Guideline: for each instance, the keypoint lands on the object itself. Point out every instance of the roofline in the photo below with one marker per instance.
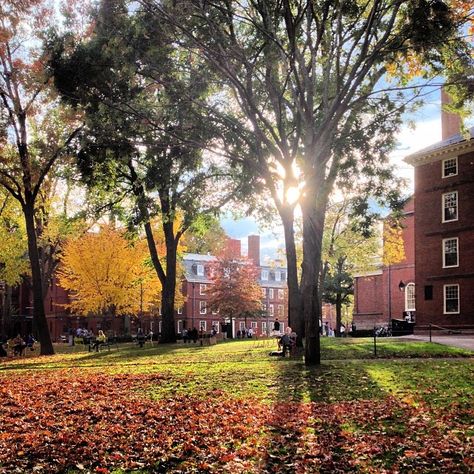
(424, 157)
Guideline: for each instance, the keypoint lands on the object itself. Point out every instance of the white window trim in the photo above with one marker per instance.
(253, 325)
(202, 288)
(241, 325)
(202, 307)
(271, 294)
(444, 300)
(277, 276)
(180, 310)
(216, 325)
(443, 168)
(203, 326)
(200, 270)
(264, 275)
(264, 292)
(411, 285)
(457, 253)
(443, 207)
(281, 309)
(271, 309)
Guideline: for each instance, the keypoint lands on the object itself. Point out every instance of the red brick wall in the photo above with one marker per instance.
(429, 233)
(368, 301)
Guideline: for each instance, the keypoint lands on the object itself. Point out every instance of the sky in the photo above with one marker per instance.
(427, 131)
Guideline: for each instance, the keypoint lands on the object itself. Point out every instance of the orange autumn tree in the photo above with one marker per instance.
(108, 274)
(235, 292)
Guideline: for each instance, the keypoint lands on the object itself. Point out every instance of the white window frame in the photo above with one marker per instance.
(282, 327)
(264, 275)
(200, 270)
(241, 325)
(253, 325)
(410, 297)
(179, 325)
(271, 294)
(264, 292)
(271, 309)
(280, 310)
(277, 276)
(264, 327)
(215, 311)
(443, 167)
(203, 326)
(445, 289)
(202, 307)
(281, 294)
(180, 310)
(456, 239)
(216, 325)
(443, 206)
(202, 289)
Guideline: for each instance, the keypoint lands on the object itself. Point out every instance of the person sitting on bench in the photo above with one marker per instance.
(100, 339)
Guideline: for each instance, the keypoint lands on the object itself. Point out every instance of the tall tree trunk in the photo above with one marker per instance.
(39, 315)
(295, 315)
(313, 227)
(168, 331)
(338, 313)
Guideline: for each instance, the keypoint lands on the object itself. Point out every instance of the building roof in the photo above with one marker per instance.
(452, 146)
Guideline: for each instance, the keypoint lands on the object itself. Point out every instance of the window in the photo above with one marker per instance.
(215, 325)
(202, 289)
(200, 270)
(241, 325)
(202, 307)
(450, 167)
(159, 326)
(283, 276)
(254, 325)
(280, 310)
(451, 299)
(281, 295)
(180, 326)
(264, 306)
(264, 327)
(272, 309)
(215, 310)
(450, 252)
(410, 297)
(270, 293)
(265, 275)
(277, 276)
(450, 206)
(428, 292)
(264, 292)
(203, 326)
(180, 310)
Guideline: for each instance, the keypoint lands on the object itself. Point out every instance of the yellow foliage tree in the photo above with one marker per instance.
(108, 274)
(393, 244)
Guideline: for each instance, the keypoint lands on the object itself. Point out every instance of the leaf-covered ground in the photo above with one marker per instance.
(232, 408)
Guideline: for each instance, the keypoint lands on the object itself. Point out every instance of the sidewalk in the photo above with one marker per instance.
(463, 342)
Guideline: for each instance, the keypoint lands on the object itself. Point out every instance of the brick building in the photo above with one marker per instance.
(388, 293)
(444, 229)
(195, 312)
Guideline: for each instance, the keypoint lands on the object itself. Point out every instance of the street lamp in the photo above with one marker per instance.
(401, 286)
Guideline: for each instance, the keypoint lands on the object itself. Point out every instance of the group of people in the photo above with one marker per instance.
(328, 331)
(18, 345)
(245, 333)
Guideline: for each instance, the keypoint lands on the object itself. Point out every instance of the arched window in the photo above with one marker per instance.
(410, 297)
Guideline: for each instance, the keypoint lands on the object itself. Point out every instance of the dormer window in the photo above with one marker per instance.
(265, 275)
(200, 270)
(450, 167)
(277, 276)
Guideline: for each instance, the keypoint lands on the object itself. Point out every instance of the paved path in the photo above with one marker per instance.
(463, 342)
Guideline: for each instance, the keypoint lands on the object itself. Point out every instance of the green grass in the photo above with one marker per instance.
(349, 370)
(353, 406)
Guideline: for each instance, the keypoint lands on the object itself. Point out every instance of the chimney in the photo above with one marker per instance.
(233, 249)
(450, 123)
(254, 249)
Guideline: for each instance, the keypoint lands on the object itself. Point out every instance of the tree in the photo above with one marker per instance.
(145, 136)
(346, 248)
(107, 274)
(36, 132)
(234, 291)
(307, 79)
(205, 236)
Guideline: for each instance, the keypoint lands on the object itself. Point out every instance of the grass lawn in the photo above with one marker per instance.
(233, 408)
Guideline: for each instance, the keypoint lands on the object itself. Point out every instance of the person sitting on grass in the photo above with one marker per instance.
(99, 340)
